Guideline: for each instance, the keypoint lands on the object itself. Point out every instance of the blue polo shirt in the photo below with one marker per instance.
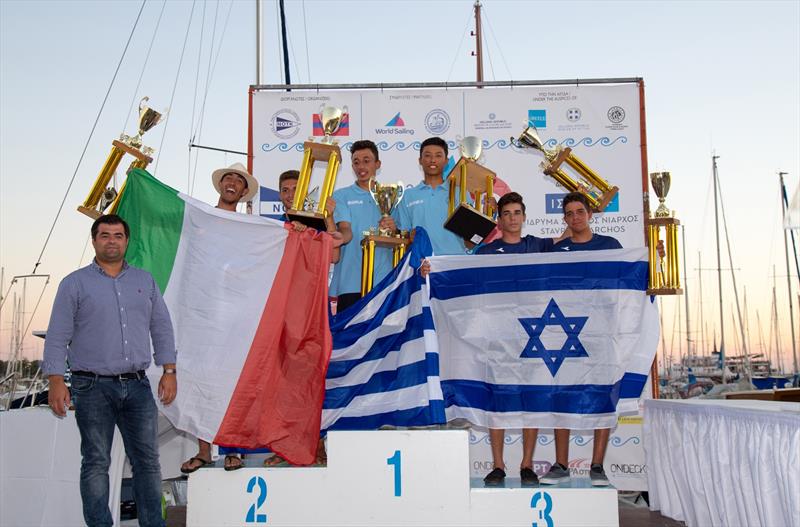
(528, 244)
(356, 206)
(426, 207)
(597, 243)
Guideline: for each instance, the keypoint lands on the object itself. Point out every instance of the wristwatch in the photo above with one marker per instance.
(170, 371)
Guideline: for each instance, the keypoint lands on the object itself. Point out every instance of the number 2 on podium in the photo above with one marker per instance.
(398, 482)
(253, 516)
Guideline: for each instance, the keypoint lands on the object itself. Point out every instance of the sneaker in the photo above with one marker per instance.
(495, 478)
(558, 473)
(598, 476)
(528, 477)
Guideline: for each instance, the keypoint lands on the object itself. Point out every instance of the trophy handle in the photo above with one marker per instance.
(402, 190)
(141, 103)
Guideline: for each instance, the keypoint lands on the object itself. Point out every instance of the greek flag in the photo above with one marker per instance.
(384, 369)
(543, 340)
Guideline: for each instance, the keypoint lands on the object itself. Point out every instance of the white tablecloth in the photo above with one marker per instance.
(724, 462)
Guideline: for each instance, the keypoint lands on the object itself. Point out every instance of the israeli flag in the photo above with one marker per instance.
(543, 340)
(384, 368)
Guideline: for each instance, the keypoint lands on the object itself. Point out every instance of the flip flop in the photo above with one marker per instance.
(275, 461)
(235, 466)
(203, 463)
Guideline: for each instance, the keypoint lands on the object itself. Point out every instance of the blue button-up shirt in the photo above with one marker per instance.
(103, 324)
(426, 207)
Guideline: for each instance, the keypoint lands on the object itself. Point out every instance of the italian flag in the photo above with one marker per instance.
(247, 296)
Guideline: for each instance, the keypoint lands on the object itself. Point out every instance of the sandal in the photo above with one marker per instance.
(230, 466)
(275, 461)
(189, 468)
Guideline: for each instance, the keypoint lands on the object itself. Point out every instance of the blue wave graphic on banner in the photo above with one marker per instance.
(586, 141)
(617, 441)
(282, 147)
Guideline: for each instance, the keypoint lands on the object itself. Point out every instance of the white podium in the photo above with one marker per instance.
(382, 478)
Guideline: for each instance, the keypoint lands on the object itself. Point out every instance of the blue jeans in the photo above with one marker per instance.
(101, 404)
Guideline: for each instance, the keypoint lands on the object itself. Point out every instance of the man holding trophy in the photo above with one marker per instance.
(426, 205)
(356, 211)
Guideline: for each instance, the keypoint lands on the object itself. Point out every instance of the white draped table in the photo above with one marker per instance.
(724, 462)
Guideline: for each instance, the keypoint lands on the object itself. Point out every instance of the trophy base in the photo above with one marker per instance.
(470, 224)
(385, 241)
(322, 151)
(92, 213)
(606, 197)
(315, 220)
(135, 152)
(476, 175)
(665, 291)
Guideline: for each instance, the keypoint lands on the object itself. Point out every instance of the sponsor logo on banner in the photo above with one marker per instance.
(492, 123)
(628, 469)
(537, 118)
(437, 122)
(285, 123)
(270, 204)
(573, 116)
(395, 126)
(344, 127)
(580, 466)
(553, 204)
(616, 116)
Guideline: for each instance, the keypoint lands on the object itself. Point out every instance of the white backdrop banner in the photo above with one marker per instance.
(600, 122)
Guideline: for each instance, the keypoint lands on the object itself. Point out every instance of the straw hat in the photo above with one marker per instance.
(241, 170)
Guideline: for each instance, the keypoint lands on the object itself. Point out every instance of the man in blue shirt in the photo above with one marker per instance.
(577, 214)
(511, 210)
(511, 220)
(103, 319)
(355, 213)
(426, 204)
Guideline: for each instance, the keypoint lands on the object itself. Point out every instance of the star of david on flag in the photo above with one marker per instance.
(553, 316)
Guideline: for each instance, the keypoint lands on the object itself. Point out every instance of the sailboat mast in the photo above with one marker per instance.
(719, 270)
(703, 328)
(686, 294)
(784, 205)
(776, 327)
(761, 343)
(478, 43)
(285, 44)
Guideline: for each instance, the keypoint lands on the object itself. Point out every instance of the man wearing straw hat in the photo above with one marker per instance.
(234, 185)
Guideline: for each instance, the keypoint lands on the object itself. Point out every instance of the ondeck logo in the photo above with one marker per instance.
(537, 118)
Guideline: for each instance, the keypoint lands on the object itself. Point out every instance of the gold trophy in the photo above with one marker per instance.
(471, 223)
(315, 215)
(386, 196)
(664, 273)
(596, 189)
(101, 196)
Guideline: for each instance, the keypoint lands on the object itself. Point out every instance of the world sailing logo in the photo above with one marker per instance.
(395, 126)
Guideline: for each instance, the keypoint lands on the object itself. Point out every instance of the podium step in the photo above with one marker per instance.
(398, 477)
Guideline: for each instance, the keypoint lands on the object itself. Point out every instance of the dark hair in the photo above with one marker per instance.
(509, 198)
(289, 174)
(365, 144)
(109, 219)
(433, 141)
(572, 197)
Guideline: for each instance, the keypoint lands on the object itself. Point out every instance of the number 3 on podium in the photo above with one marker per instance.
(398, 482)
